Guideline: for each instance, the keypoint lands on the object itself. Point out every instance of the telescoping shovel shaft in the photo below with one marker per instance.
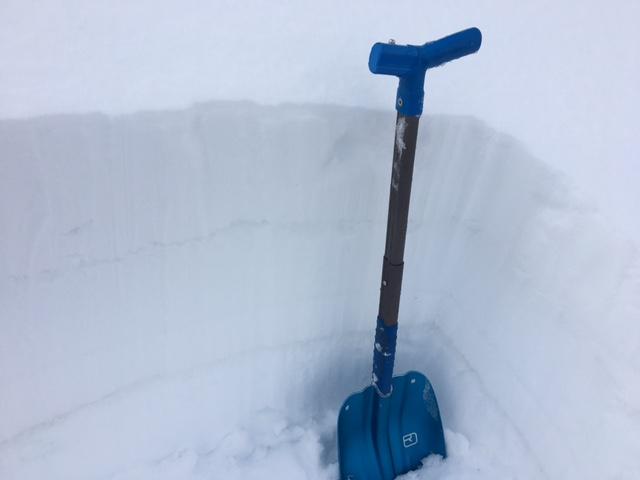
(388, 428)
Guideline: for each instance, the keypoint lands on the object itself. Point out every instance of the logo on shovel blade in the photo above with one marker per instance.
(410, 439)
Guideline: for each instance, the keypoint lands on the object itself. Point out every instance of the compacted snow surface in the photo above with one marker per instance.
(191, 295)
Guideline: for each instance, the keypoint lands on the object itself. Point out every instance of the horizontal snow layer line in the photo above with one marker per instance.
(528, 282)
(76, 263)
(169, 377)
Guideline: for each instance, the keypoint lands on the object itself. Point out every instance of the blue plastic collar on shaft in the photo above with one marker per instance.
(410, 63)
(384, 354)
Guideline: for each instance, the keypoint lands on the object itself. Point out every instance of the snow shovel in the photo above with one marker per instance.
(388, 428)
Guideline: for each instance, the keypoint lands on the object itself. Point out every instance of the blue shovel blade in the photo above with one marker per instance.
(381, 438)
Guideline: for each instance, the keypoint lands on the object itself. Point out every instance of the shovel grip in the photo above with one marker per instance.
(410, 63)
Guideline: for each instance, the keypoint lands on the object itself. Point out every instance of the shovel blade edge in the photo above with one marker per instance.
(381, 438)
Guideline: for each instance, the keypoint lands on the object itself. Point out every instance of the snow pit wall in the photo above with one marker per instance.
(230, 237)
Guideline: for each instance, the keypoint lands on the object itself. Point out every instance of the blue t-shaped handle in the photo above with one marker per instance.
(410, 63)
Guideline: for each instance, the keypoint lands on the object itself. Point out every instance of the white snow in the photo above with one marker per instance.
(561, 76)
(189, 290)
(191, 294)
(401, 126)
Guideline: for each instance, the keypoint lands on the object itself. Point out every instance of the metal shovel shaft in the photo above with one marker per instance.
(392, 267)
(399, 197)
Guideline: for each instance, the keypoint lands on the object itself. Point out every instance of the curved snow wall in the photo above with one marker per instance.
(243, 244)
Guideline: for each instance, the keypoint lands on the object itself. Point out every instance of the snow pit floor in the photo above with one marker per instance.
(127, 436)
